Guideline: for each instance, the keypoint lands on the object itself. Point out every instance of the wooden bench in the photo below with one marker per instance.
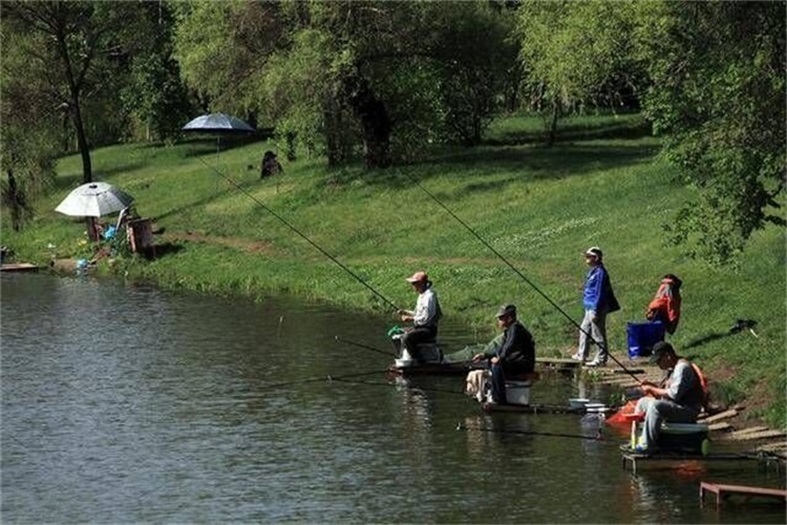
(725, 491)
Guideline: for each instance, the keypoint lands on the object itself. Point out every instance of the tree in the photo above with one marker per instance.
(717, 97)
(79, 44)
(576, 54)
(29, 132)
(153, 93)
(349, 75)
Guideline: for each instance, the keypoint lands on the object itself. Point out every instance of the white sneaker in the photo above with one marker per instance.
(577, 357)
(596, 362)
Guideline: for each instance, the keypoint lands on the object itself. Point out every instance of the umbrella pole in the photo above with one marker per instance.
(218, 148)
(92, 233)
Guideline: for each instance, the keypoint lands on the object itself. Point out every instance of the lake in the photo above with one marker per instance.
(123, 403)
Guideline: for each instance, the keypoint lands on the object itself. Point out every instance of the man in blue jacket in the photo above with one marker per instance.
(599, 300)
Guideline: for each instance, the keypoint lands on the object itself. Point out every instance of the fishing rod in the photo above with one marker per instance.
(367, 347)
(460, 426)
(299, 233)
(516, 271)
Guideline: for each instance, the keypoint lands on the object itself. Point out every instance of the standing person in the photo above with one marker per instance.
(665, 306)
(680, 401)
(516, 355)
(425, 317)
(598, 300)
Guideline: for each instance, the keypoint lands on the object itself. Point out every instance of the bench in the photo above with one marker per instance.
(725, 491)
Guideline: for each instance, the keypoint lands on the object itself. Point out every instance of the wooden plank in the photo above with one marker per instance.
(721, 415)
(724, 491)
(531, 409)
(749, 430)
(718, 427)
(766, 434)
(18, 267)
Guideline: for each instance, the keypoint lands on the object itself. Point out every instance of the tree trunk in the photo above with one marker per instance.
(13, 200)
(84, 148)
(375, 123)
(552, 133)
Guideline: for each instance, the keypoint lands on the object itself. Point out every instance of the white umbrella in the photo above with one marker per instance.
(94, 199)
(218, 123)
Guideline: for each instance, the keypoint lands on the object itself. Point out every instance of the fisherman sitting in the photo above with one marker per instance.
(680, 400)
(425, 317)
(515, 356)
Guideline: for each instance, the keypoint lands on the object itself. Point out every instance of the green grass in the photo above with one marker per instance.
(601, 184)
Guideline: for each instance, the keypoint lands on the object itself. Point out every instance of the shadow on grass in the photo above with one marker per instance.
(576, 132)
(167, 248)
(206, 145)
(236, 187)
(72, 180)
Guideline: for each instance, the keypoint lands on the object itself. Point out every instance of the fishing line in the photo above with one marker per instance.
(460, 426)
(366, 347)
(341, 379)
(321, 378)
(298, 232)
(516, 271)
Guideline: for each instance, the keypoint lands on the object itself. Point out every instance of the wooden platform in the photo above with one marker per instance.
(18, 267)
(450, 369)
(725, 491)
(674, 461)
(532, 409)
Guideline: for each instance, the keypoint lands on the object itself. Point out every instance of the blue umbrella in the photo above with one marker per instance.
(218, 124)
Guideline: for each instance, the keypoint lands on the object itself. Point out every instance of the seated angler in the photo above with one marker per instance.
(425, 317)
(516, 355)
(680, 401)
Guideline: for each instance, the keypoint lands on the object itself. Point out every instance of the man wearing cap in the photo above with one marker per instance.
(598, 300)
(425, 317)
(516, 355)
(679, 401)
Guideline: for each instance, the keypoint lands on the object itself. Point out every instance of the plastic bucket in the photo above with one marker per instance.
(642, 336)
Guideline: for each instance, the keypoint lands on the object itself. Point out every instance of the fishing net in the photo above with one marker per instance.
(619, 421)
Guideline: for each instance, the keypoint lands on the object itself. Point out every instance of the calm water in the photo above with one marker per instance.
(126, 404)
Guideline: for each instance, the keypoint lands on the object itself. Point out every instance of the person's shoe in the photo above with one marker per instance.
(596, 362)
(577, 357)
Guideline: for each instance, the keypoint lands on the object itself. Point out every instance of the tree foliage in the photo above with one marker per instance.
(29, 134)
(577, 54)
(717, 97)
(349, 76)
(76, 48)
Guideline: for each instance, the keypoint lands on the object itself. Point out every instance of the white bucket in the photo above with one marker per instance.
(404, 361)
(518, 392)
(575, 403)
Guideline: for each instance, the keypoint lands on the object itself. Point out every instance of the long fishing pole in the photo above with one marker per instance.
(460, 426)
(366, 347)
(516, 271)
(299, 233)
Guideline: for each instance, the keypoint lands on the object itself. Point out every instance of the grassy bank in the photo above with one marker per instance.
(538, 207)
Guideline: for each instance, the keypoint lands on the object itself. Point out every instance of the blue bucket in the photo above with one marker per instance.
(642, 337)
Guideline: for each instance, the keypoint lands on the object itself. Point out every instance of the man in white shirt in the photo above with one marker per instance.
(424, 318)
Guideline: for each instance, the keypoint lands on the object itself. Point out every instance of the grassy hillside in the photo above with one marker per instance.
(540, 208)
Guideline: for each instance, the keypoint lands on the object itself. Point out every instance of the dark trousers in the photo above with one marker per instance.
(417, 336)
(499, 380)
